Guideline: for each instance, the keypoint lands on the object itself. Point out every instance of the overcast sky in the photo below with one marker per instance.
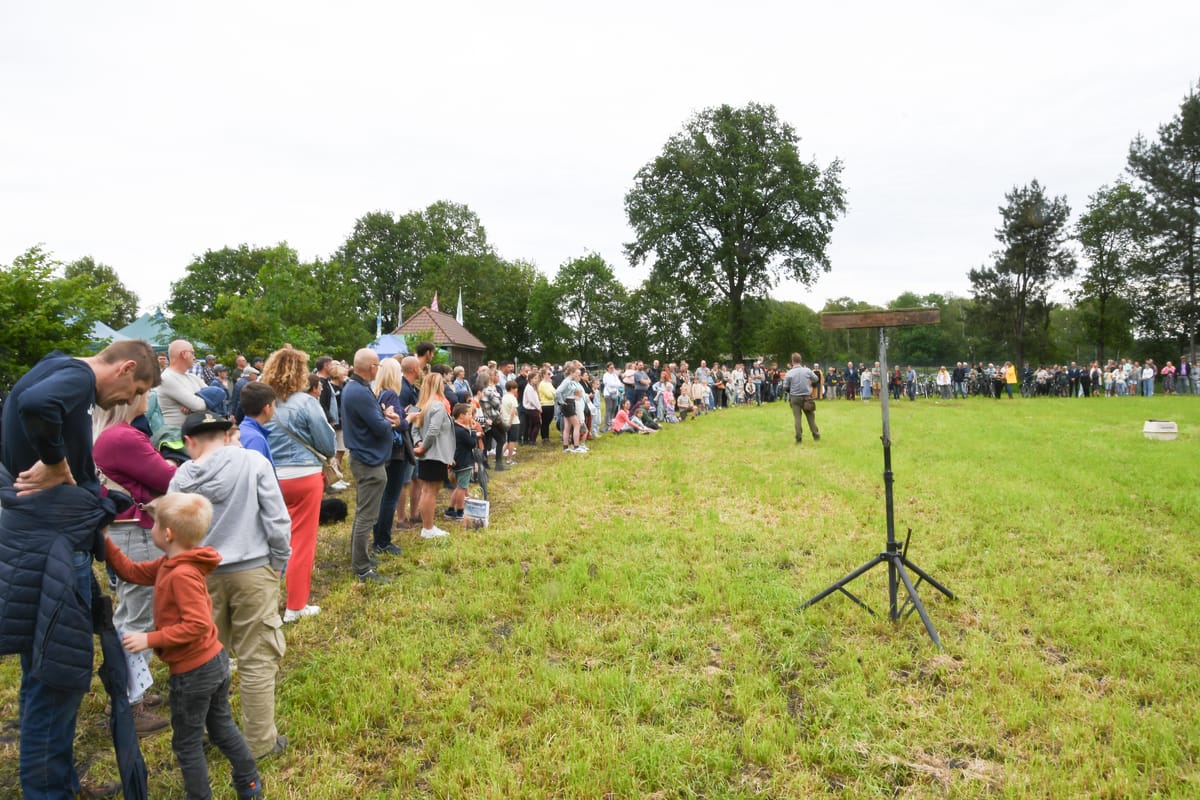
(144, 133)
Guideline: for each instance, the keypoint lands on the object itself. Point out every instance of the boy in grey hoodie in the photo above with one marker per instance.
(251, 530)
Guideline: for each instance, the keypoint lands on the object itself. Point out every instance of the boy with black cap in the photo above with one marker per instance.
(184, 636)
(251, 530)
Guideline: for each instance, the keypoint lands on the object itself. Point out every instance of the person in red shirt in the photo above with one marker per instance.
(185, 638)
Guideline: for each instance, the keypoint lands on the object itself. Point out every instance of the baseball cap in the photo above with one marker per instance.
(203, 422)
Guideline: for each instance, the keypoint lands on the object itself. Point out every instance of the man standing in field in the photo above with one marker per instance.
(51, 528)
(367, 429)
(798, 385)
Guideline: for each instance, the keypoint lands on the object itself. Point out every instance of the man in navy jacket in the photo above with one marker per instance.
(367, 431)
(46, 443)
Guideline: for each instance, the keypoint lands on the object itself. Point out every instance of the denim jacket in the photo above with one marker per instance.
(303, 416)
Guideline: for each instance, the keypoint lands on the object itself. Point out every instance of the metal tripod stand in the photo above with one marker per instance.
(894, 556)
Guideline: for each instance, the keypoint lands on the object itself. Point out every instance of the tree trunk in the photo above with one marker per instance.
(736, 326)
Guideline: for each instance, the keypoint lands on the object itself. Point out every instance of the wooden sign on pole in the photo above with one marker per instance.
(837, 320)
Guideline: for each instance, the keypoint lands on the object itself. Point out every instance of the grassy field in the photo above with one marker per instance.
(629, 626)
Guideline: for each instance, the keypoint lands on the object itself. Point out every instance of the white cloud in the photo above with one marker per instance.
(146, 133)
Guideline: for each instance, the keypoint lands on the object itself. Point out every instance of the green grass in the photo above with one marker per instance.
(629, 625)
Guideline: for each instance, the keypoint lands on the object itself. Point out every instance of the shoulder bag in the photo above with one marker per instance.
(330, 470)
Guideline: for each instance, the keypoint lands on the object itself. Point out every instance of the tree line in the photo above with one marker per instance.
(726, 211)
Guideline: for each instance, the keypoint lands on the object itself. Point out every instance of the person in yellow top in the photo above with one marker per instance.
(1010, 377)
(545, 390)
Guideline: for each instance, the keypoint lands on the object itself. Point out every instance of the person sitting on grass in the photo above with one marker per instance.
(645, 413)
(626, 422)
(185, 637)
(468, 435)
(684, 404)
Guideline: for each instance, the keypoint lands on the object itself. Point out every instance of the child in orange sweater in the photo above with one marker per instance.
(185, 638)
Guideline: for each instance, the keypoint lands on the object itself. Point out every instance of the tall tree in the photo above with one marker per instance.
(400, 261)
(1169, 173)
(788, 328)
(656, 322)
(384, 258)
(121, 303)
(1011, 298)
(729, 208)
(590, 303)
(1108, 232)
(550, 336)
(496, 298)
(230, 270)
(259, 298)
(42, 311)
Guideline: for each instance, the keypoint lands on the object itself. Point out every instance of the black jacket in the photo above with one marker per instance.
(41, 612)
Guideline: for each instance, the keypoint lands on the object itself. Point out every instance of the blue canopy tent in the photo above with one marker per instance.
(153, 328)
(102, 335)
(389, 345)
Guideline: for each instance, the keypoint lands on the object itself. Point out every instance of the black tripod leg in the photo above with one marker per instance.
(916, 601)
(836, 587)
(926, 577)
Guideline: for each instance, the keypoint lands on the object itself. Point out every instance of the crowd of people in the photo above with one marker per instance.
(226, 471)
(1124, 377)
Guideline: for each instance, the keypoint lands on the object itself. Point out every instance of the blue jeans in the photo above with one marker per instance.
(382, 532)
(199, 700)
(47, 719)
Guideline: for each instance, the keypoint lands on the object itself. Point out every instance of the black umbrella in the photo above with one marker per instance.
(114, 674)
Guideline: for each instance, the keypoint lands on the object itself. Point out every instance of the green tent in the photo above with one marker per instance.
(101, 335)
(154, 328)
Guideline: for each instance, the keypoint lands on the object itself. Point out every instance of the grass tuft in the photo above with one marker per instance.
(629, 625)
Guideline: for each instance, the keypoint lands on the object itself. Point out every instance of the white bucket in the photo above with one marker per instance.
(476, 513)
(1160, 429)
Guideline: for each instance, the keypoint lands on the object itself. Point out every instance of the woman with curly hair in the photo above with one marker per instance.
(299, 437)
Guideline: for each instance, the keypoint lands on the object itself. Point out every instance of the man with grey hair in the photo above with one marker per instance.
(178, 395)
(367, 430)
(798, 385)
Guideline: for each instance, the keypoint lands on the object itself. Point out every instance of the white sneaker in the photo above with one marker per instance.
(583, 448)
(433, 533)
(340, 486)
(308, 611)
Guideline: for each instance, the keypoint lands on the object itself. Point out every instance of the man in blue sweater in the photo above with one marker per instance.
(367, 431)
(47, 442)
